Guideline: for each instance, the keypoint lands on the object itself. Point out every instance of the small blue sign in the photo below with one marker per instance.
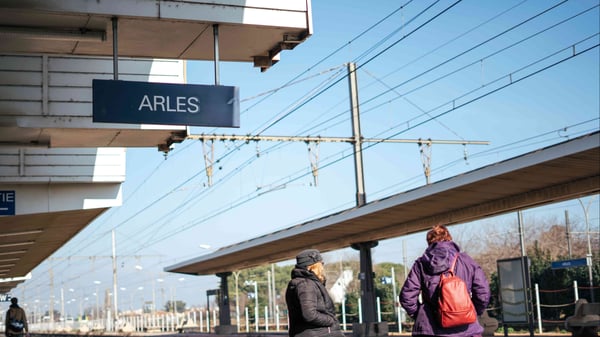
(165, 103)
(7, 202)
(569, 263)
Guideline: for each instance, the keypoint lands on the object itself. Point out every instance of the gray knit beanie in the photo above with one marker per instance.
(308, 257)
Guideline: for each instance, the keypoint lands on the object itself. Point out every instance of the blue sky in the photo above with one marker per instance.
(519, 74)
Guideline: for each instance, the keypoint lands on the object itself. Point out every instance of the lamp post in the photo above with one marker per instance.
(72, 300)
(123, 289)
(81, 312)
(181, 279)
(589, 246)
(255, 301)
(36, 319)
(97, 300)
(141, 288)
(159, 280)
(236, 274)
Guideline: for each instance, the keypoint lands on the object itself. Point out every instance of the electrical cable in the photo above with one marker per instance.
(289, 180)
(422, 56)
(293, 80)
(368, 61)
(240, 202)
(430, 52)
(472, 48)
(366, 102)
(336, 51)
(295, 109)
(180, 185)
(394, 32)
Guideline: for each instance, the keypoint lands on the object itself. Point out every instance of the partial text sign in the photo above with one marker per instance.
(8, 200)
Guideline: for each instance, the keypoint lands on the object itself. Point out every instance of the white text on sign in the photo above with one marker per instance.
(170, 104)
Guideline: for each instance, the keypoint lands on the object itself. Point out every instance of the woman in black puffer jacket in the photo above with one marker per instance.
(311, 310)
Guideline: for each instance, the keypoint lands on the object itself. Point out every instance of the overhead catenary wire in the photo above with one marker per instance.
(296, 80)
(358, 67)
(508, 76)
(279, 119)
(249, 197)
(412, 103)
(394, 32)
(511, 82)
(304, 173)
(324, 124)
(527, 141)
(428, 53)
(291, 81)
(436, 116)
(472, 29)
(337, 50)
(473, 48)
(94, 236)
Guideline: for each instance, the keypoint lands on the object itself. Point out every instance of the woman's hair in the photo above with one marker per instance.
(318, 270)
(438, 233)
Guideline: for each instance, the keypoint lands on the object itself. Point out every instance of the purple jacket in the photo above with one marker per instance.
(424, 277)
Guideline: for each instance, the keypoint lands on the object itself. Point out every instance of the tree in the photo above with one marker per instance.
(56, 315)
(385, 289)
(545, 241)
(172, 306)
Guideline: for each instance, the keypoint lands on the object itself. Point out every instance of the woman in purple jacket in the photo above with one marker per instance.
(424, 277)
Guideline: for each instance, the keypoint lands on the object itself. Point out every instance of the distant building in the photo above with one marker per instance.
(338, 290)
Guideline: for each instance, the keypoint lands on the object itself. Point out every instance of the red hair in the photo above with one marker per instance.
(438, 233)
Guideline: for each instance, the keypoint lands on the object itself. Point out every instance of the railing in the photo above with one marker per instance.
(200, 320)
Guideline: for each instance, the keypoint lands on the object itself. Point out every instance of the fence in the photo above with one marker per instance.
(205, 321)
(559, 310)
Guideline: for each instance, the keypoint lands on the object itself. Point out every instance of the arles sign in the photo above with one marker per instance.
(116, 101)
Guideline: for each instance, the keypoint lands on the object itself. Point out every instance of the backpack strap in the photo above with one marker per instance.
(452, 269)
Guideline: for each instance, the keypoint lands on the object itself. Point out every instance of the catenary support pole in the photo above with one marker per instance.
(358, 161)
(114, 267)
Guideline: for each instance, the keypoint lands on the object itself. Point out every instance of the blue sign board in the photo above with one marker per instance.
(7, 202)
(569, 263)
(165, 103)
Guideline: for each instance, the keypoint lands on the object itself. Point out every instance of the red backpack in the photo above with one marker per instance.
(455, 306)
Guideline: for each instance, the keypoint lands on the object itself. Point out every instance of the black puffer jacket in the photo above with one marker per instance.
(311, 310)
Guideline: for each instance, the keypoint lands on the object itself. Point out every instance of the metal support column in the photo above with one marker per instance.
(370, 325)
(225, 327)
(367, 288)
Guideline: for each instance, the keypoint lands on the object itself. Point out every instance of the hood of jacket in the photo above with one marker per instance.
(438, 256)
(298, 272)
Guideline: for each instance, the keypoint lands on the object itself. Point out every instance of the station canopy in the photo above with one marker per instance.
(560, 172)
(81, 31)
(248, 31)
